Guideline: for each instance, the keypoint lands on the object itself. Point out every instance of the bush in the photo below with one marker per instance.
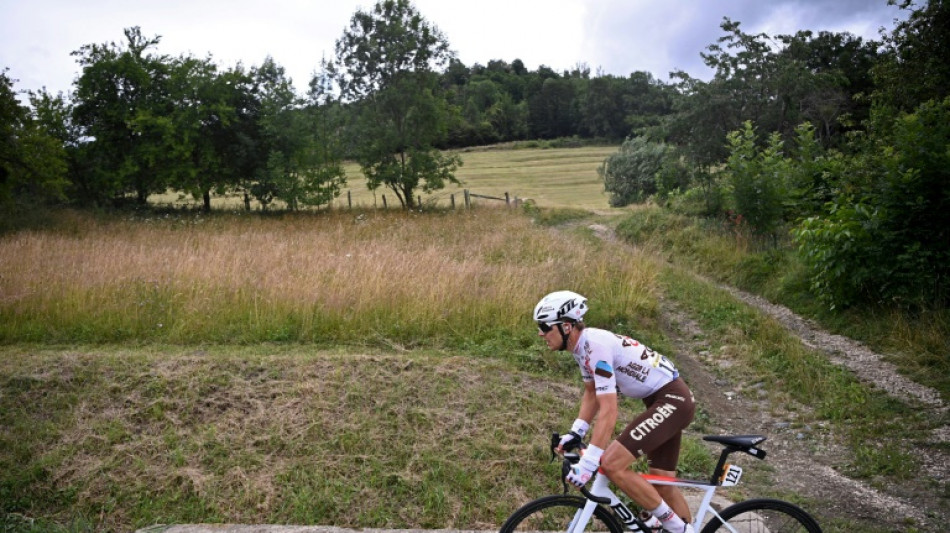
(635, 172)
(758, 179)
(890, 240)
(709, 200)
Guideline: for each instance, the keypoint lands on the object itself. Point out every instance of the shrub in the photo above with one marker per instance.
(889, 241)
(758, 179)
(634, 173)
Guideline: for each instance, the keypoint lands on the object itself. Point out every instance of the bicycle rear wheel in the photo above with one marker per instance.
(555, 513)
(763, 516)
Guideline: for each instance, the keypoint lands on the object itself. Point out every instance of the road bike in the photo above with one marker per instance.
(600, 510)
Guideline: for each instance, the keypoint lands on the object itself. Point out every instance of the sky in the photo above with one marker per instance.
(615, 37)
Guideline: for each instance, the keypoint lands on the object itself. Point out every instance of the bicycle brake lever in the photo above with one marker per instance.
(555, 440)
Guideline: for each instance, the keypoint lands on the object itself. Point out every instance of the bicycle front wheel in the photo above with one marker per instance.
(555, 513)
(763, 516)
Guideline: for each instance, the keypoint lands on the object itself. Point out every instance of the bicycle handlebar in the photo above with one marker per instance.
(569, 459)
(596, 499)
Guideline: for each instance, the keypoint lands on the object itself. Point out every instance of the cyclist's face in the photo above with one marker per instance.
(552, 337)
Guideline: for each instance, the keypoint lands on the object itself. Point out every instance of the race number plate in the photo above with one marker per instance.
(730, 478)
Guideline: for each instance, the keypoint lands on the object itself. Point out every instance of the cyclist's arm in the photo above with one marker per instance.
(604, 407)
(589, 404)
(606, 420)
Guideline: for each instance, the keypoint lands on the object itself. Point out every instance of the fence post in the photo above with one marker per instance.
(507, 199)
(468, 201)
(349, 198)
(384, 202)
(452, 196)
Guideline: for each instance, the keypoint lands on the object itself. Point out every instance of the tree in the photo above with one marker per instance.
(32, 160)
(385, 67)
(552, 111)
(119, 95)
(645, 101)
(509, 119)
(198, 128)
(839, 81)
(775, 83)
(317, 164)
(914, 67)
(280, 136)
(602, 108)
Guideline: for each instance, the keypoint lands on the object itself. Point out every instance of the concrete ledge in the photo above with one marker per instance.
(239, 528)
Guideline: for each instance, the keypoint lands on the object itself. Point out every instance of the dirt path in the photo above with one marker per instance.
(808, 460)
(868, 366)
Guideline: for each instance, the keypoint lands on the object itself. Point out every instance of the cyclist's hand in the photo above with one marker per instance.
(569, 442)
(575, 437)
(581, 473)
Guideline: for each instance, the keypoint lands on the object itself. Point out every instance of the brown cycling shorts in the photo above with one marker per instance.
(658, 430)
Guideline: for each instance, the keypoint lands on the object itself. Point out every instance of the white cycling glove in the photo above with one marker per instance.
(585, 468)
(576, 435)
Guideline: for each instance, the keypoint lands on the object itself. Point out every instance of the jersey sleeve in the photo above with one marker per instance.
(601, 368)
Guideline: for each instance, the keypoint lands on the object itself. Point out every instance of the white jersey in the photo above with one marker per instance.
(620, 364)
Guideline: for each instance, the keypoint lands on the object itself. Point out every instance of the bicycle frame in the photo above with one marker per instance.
(759, 514)
(599, 488)
(724, 475)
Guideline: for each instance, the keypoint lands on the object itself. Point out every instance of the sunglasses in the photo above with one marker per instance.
(547, 326)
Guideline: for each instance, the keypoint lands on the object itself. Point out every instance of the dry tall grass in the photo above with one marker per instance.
(347, 277)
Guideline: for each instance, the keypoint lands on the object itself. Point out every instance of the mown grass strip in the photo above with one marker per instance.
(275, 434)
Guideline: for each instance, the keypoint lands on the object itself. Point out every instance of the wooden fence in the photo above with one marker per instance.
(467, 196)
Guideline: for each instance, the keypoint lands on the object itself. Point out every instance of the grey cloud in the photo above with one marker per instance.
(659, 37)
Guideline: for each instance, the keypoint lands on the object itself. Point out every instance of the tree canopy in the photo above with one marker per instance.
(386, 67)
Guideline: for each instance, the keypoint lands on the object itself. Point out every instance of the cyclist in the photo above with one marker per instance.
(609, 364)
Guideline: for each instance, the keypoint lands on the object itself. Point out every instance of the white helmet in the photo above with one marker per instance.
(559, 307)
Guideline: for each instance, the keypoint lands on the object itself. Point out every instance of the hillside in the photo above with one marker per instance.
(226, 368)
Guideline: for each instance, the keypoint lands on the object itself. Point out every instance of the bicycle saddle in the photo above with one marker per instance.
(742, 442)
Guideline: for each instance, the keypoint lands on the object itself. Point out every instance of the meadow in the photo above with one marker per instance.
(268, 369)
(547, 176)
(350, 367)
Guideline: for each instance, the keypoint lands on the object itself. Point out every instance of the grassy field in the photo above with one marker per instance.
(550, 177)
(360, 368)
(248, 369)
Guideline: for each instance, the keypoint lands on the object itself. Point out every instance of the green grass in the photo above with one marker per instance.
(547, 176)
(276, 434)
(182, 367)
(917, 343)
